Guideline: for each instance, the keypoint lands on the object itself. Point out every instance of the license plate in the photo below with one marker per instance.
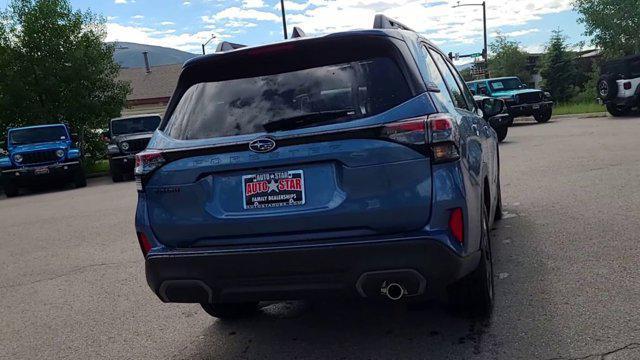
(41, 171)
(536, 107)
(273, 189)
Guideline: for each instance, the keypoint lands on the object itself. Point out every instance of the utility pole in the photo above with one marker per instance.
(485, 52)
(207, 43)
(284, 20)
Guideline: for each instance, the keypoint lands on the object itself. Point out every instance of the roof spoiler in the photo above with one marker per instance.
(297, 33)
(228, 46)
(384, 22)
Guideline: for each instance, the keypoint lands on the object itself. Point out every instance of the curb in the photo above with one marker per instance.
(582, 116)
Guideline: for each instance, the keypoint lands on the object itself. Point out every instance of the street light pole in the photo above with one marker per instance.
(485, 52)
(284, 19)
(207, 43)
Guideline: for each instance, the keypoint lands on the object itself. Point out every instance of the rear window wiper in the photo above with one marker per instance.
(300, 121)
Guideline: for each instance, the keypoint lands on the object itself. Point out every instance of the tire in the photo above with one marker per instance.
(543, 116)
(607, 87)
(475, 292)
(79, 179)
(117, 177)
(502, 133)
(230, 311)
(618, 111)
(11, 189)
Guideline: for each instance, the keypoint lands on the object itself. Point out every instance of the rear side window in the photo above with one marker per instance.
(435, 77)
(454, 89)
(310, 97)
(463, 86)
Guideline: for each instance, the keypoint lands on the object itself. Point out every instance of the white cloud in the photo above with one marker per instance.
(292, 6)
(138, 17)
(120, 1)
(168, 38)
(167, 23)
(236, 13)
(517, 33)
(438, 20)
(253, 4)
(186, 3)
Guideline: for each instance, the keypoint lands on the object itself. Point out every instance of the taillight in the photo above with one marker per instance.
(456, 225)
(627, 85)
(145, 245)
(146, 162)
(435, 134)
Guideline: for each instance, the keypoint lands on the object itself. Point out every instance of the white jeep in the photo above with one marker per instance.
(619, 85)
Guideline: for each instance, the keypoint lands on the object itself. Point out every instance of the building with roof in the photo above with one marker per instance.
(151, 88)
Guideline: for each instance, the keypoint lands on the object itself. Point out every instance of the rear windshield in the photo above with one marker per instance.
(310, 97)
(38, 135)
(135, 125)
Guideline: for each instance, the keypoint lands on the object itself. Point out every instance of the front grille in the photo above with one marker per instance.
(530, 98)
(136, 145)
(40, 157)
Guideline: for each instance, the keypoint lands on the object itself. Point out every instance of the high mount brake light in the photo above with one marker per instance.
(436, 133)
(146, 162)
(273, 49)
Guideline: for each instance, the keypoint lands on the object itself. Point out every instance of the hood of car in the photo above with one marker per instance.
(512, 93)
(55, 145)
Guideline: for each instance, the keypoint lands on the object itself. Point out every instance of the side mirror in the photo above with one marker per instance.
(491, 107)
(105, 136)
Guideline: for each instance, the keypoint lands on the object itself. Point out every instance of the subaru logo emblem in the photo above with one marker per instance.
(262, 145)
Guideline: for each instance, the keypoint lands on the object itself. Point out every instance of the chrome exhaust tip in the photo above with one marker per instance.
(393, 291)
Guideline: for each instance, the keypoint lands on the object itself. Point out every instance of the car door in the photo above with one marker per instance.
(471, 140)
(489, 139)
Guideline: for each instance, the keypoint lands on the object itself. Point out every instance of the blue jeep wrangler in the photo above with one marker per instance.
(353, 164)
(39, 155)
(520, 100)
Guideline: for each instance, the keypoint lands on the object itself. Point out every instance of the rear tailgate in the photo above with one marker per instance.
(351, 187)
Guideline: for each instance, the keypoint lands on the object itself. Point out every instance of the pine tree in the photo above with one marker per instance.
(558, 70)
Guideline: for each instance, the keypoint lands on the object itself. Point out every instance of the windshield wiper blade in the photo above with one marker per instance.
(296, 122)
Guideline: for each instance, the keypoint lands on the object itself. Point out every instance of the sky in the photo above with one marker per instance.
(186, 24)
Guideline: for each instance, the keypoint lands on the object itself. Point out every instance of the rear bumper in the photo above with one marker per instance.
(210, 275)
(630, 101)
(529, 109)
(122, 163)
(35, 175)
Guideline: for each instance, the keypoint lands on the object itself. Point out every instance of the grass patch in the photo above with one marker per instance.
(578, 108)
(100, 166)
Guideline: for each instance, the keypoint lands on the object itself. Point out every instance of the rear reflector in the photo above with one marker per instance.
(456, 225)
(145, 245)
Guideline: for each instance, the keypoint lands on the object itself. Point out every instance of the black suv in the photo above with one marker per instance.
(127, 136)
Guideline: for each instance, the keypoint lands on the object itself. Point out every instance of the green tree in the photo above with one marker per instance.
(558, 68)
(612, 24)
(55, 67)
(508, 59)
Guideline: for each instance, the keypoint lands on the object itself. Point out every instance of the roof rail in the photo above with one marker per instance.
(384, 22)
(297, 33)
(228, 46)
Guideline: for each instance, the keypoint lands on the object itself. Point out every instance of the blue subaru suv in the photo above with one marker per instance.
(353, 164)
(38, 155)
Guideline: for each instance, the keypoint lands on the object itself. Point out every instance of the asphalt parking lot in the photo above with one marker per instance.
(567, 276)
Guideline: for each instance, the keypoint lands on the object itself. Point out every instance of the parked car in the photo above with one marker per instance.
(619, 85)
(126, 137)
(501, 122)
(520, 100)
(353, 164)
(38, 155)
